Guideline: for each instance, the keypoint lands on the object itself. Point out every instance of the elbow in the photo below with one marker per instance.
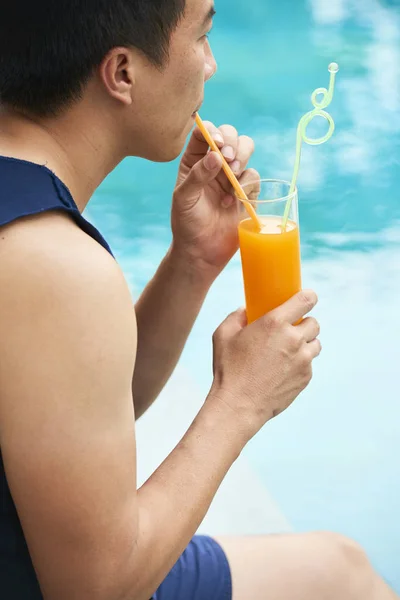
(129, 580)
(126, 581)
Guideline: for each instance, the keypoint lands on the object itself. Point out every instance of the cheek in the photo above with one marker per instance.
(191, 73)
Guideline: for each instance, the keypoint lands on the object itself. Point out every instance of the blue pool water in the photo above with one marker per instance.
(332, 461)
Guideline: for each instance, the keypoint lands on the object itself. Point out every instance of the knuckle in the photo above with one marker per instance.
(253, 175)
(306, 359)
(251, 178)
(198, 172)
(211, 128)
(210, 125)
(195, 179)
(248, 142)
(228, 130)
(251, 182)
(294, 339)
(316, 326)
(315, 349)
(272, 322)
(308, 298)
(195, 176)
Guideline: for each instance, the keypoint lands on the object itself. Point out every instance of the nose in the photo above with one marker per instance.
(210, 67)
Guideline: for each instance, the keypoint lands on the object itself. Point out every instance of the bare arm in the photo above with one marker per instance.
(165, 314)
(67, 426)
(67, 430)
(205, 232)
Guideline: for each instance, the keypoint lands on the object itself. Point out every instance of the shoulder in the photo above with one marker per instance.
(51, 250)
(62, 294)
(52, 233)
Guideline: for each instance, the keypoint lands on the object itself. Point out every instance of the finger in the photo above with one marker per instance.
(297, 307)
(231, 142)
(314, 348)
(214, 131)
(197, 147)
(200, 175)
(233, 324)
(309, 329)
(245, 150)
(251, 184)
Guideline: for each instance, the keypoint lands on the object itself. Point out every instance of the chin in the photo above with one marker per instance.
(163, 155)
(166, 150)
(168, 153)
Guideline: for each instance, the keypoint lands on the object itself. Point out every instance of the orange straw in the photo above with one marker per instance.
(229, 173)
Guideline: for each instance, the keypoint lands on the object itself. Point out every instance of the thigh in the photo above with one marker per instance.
(298, 567)
(202, 573)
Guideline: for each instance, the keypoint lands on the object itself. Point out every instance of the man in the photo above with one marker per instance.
(82, 86)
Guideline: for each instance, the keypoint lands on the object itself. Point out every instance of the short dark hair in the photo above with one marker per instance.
(49, 49)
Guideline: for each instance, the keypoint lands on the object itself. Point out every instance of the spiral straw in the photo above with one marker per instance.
(327, 96)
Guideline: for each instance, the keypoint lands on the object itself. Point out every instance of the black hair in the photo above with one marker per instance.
(49, 49)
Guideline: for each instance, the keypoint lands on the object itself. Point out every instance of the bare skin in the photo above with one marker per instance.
(320, 566)
(78, 357)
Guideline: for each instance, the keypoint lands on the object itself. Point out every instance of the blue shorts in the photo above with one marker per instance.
(202, 573)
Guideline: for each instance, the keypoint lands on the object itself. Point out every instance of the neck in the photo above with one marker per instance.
(76, 147)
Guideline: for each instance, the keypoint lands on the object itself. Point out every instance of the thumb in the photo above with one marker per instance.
(202, 173)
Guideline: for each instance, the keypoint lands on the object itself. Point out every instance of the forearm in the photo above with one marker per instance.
(173, 503)
(165, 313)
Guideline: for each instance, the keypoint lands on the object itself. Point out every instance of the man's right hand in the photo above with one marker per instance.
(260, 369)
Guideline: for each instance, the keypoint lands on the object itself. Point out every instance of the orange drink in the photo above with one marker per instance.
(270, 257)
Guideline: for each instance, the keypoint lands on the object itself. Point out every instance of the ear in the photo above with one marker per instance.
(117, 73)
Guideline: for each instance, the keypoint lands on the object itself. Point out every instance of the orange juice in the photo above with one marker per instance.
(271, 264)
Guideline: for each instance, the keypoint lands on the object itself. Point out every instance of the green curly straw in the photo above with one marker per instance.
(302, 131)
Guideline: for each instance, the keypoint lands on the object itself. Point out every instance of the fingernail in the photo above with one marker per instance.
(212, 161)
(218, 138)
(235, 166)
(228, 152)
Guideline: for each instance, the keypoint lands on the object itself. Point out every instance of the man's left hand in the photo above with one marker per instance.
(205, 213)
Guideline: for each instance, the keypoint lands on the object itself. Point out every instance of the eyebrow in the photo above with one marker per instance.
(211, 13)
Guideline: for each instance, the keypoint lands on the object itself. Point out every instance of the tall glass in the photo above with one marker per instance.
(271, 258)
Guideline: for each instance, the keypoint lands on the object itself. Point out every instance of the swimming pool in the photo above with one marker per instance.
(332, 461)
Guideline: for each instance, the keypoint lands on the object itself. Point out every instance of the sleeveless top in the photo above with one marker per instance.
(27, 189)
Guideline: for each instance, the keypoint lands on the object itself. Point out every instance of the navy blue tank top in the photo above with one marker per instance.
(27, 189)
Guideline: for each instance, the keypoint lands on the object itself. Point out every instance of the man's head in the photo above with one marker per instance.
(140, 63)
